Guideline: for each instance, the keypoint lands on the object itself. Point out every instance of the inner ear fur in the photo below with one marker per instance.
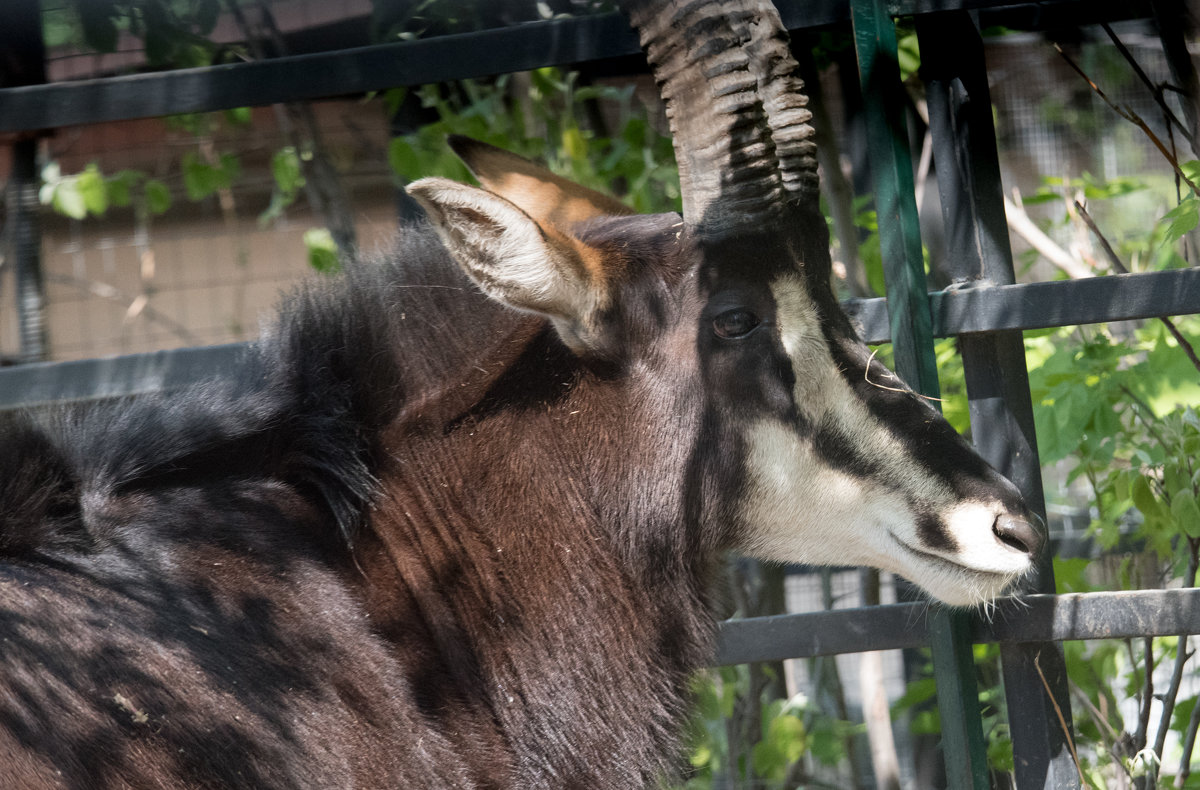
(551, 200)
(514, 259)
(518, 238)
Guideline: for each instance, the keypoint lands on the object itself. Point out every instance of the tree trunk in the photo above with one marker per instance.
(876, 712)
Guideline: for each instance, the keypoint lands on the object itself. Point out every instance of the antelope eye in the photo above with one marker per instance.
(735, 324)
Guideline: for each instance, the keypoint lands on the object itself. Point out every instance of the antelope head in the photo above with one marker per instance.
(801, 447)
(840, 462)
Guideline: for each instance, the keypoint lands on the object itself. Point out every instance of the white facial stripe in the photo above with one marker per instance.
(804, 511)
(827, 400)
(800, 509)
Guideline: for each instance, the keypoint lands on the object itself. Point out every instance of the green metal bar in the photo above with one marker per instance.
(963, 746)
(912, 339)
(964, 149)
(895, 206)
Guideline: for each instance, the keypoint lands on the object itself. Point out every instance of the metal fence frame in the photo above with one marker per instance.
(987, 315)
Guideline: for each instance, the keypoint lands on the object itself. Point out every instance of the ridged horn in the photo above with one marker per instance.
(737, 109)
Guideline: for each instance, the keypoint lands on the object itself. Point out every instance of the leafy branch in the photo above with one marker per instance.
(1121, 268)
(1135, 450)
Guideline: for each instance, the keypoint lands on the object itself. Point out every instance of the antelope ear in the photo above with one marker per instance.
(548, 198)
(511, 257)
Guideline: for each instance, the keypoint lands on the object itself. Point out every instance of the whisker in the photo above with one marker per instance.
(877, 385)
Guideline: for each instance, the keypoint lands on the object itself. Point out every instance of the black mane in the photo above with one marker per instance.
(304, 409)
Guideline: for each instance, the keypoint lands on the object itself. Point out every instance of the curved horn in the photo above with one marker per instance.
(786, 105)
(736, 107)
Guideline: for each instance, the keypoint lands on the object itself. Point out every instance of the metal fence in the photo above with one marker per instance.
(987, 314)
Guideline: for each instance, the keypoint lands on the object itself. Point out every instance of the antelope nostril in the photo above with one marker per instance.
(1018, 532)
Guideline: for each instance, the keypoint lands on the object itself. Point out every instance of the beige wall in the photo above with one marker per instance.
(192, 284)
(199, 275)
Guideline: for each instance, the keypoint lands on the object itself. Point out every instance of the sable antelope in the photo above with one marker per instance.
(453, 525)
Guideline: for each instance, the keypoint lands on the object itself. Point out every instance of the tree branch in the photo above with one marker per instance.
(1020, 224)
(1181, 657)
(1155, 90)
(1146, 697)
(1132, 117)
(112, 293)
(1123, 269)
(1189, 745)
(1175, 24)
(322, 183)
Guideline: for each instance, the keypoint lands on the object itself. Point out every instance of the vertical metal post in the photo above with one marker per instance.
(895, 205)
(27, 251)
(22, 62)
(912, 338)
(978, 252)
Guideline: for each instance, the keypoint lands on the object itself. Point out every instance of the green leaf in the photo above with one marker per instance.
(392, 99)
(1145, 500)
(322, 251)
(120, 185)
(908, 54)
(403, 159)
(1106, 190)
(1070, 575)
(201, 178)
(926, 722)
(163, 35)
(1176, 480)
(824, 742)
(90, 184)
(1182, 713)
(1186, 512)
(701, 756)
(573, 144)
(784, 743)
(1042, 195)
(732, 678)
(286, 168)
(59, 27)
(918, 691)
(239, 116)
(197, 177)
(1180, 220)
(68, 200)
(230, 167)
(1191, 169)
(158, 197)
(159, 45)
(1167, 377)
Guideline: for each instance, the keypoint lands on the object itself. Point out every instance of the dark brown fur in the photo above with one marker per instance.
(417, 544)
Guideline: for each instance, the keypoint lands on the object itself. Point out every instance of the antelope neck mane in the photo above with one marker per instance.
(408, 334)
(409, 338)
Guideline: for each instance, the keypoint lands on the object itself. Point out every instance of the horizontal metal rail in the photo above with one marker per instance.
(44, 384)
(1033, 618)
(573, 41)
(980, 309)
(992, 308)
